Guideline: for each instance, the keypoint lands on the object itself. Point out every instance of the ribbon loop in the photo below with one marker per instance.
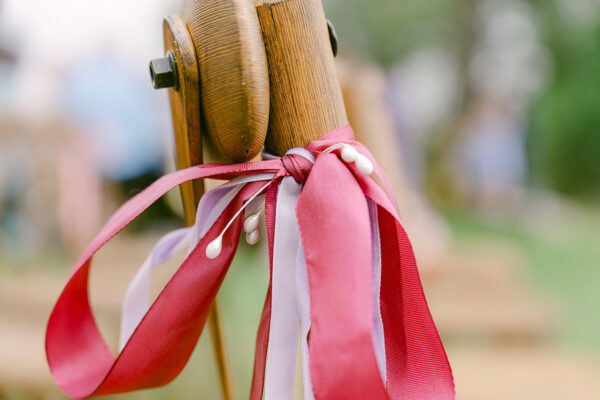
(297, 166)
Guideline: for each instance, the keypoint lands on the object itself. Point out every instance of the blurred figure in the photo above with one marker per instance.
(78, 116)
(79, 193)
(118, 114)
(17, 232)
(493, 153)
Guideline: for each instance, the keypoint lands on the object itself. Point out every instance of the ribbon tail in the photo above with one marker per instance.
(260, 351)
(177, 316)
(283, 336)
(303, 296)
(334, 224)
(137, 297)
(262, 334)
(378, 333)
(416, 363)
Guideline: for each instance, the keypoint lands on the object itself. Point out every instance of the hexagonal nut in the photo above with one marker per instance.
(163, 73)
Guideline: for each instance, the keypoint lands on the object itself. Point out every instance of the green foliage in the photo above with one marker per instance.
(386, 29)
(564, 137)
(564, 134)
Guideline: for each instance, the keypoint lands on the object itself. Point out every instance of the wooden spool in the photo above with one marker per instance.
(234, 83)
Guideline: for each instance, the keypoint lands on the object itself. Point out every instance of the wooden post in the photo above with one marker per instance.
(306, 99)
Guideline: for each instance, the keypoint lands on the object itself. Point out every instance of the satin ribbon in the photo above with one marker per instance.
(353, 290)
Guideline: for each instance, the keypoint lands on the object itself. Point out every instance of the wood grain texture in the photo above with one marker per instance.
(185, 110)
(233, 70)
(306, 99)
(186, 115)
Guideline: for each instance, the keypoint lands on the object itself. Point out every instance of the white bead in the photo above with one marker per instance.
(251, 223)
(253, 237)
(349, 153)
(364, 165)
(214, 248)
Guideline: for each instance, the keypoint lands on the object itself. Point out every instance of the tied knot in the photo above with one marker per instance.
(297, 166)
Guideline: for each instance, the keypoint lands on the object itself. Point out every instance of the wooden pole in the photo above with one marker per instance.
(306, 99)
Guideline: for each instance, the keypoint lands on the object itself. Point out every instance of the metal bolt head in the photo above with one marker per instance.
(333, 39)
(163, 72)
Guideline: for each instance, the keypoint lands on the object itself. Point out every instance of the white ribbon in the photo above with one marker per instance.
(378, 337)
(290, 300)
(283, 331)
(304, 310)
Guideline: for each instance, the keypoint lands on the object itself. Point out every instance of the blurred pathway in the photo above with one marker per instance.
(500, 333)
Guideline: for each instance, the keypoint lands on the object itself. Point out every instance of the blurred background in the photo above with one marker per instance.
(484, 113)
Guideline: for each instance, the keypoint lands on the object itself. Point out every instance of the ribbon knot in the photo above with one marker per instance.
(297, 166)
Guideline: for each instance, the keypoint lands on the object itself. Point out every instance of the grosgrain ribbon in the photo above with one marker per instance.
(343, 255)
(137, 296)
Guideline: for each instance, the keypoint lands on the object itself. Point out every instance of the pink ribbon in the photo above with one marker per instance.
(358, 344)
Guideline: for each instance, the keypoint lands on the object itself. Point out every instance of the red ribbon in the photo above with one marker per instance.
(334, 223)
